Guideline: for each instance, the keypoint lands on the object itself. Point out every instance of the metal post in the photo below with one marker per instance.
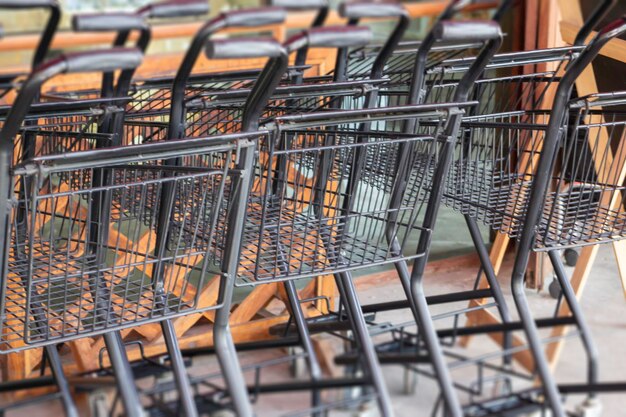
(123, 375)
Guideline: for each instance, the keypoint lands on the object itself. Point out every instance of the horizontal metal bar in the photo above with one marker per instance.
(503, 327)
(287, 386)
(599, 387)
(385, 358)
(242, 347)
(432, 300)
(28, 383)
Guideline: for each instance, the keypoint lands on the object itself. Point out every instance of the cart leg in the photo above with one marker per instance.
(532, 334)
(227, 355)
(429, 335)
(123, 375)
(370, 358)
(185, 392)
(61, 382)
(492, 280)
(576, 311)
(305, 340)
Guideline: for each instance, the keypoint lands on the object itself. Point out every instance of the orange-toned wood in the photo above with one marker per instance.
(254, 302)
(295, 21)
(616, 49)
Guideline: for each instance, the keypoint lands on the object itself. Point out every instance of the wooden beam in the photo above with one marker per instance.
(585, 85)
(616, 49)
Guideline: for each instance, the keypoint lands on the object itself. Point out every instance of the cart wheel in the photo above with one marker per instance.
(98, 402)
(410, 382)
(571, 257)
(555, 289)
(591, 407)
(297, 366)
(223, 413)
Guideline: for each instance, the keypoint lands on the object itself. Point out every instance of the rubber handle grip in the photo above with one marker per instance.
(330, 37)
(300, 4)
(467, 31)
(239, 48)
(361, 10)
(254, 17)
(175, 8)
(107, 60)
(108, 22)
(28, 4)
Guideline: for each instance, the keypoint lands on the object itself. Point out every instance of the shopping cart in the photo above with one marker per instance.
(492, 178)
(222, 110)
(29, 264)
(505, 89)
(77, 272)
(585, 205)
(312, 257)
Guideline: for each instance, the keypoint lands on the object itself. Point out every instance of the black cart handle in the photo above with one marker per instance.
(450, 31)
(175, 8)
(356, 10)
(241, 48)
(268, 79)
(330, 37)
(596, 16)
(51, 25)
(244, 18)
(555, 130)
(93, 61)
(457, 6)
(123, 24)
(322, 8)
(467, 31)
(576, 67)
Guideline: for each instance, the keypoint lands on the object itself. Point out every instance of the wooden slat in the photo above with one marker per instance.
(254, 302)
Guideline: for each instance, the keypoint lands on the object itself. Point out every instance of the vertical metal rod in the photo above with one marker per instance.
(541, 182)
(494, 285)
(59, 377)
(123, 375)
(227, 355)
(222, 336)
(181, 379)
(534, 341)
(370, 358)
(306, 342)
(574, 307)
(424, 320)
(429, 335)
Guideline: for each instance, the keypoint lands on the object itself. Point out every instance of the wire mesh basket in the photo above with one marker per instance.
(329, 197)
(84, 255)
(496, 162)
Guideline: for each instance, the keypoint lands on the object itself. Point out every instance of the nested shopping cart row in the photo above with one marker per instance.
(127, 201)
